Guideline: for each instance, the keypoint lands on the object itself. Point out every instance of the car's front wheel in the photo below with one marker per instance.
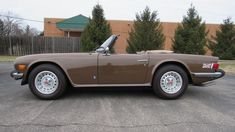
(170, 82)
(47, 81)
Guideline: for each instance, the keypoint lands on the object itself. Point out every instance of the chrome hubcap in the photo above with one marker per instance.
(46, 82)
(171, 82)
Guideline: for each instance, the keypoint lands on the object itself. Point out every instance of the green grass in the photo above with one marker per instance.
(7, 58)
(228, 66)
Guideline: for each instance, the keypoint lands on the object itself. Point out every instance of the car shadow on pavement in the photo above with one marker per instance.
(121, 92)
(193, 92)
(110, 92)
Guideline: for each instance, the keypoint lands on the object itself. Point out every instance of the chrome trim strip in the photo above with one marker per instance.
(111, 85)
(214, 74)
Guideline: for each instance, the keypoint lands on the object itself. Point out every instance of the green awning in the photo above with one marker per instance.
(76, 23)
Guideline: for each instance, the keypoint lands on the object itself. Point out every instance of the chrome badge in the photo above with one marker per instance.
(207, 65)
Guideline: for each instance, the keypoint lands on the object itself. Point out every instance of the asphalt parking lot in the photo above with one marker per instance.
(210, 108)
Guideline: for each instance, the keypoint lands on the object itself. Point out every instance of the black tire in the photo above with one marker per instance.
(157, 78)
(61, 86)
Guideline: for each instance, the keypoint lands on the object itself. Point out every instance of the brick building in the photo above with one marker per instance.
(74, 26)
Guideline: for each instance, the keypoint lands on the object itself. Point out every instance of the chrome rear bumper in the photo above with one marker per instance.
(16, 75)
(220, 73)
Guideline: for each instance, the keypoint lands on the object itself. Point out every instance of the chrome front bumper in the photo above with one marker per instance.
(220, 73)
(16, 75)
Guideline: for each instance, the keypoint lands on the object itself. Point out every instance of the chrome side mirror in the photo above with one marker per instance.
(107, 49)
(106, 53)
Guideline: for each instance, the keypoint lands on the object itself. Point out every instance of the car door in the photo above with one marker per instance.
(82, 68)
(122, 68)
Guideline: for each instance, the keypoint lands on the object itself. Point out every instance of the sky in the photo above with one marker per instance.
(211, 11)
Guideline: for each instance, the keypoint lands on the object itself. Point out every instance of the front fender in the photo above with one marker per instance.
(34, 64)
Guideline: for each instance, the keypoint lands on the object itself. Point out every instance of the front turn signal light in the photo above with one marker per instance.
(21, 67)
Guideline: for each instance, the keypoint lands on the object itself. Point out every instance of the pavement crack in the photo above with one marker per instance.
(47, 106)
(111, 126)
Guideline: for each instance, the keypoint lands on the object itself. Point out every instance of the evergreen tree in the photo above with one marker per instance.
(1, 28)
(41, 33)
(190, 35)
(146, 33)
(27, 30)
(96, 31)
(223, 45)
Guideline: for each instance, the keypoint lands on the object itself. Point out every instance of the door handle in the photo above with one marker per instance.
(144, 60)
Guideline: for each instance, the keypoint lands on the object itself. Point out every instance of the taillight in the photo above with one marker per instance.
(215, 66)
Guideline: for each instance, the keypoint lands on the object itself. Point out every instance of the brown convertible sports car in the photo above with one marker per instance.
(167, 73)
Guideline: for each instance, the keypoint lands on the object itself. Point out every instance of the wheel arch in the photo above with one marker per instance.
(172, 62)
(35, 64)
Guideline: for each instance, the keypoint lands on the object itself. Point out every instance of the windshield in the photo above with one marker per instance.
(107, 43)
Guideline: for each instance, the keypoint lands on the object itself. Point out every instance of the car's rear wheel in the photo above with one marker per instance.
(170, 82)
(47, 81)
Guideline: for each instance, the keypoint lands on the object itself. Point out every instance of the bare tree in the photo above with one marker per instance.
(17, 30)
(30, 31)
(11, 26)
